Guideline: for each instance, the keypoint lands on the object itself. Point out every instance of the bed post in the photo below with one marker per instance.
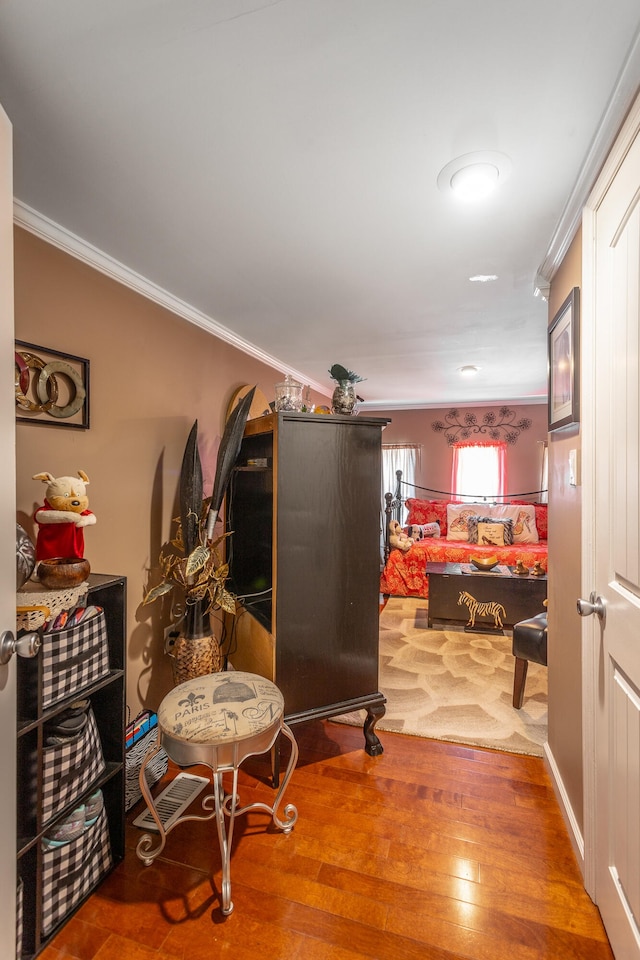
(398, 495)
(392, 511)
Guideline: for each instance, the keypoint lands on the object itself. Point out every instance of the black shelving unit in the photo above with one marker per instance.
(107, 699)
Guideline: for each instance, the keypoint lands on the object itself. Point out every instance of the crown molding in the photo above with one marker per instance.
(624, 92)
(370, 406)
(46, 229)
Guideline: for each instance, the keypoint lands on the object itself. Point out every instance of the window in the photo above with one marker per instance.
(399, 456)
(479, 471)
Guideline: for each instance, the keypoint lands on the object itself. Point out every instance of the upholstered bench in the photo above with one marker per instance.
(219, 720)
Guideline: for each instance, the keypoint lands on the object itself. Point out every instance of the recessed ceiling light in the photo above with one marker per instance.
(469, 370)
(474, 176)
(483, 277)
(476, 181)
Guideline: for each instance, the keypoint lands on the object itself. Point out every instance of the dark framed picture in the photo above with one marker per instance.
(51, 387)
(563, 344)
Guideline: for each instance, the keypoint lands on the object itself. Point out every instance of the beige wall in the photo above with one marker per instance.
(151, 375)
(434, 470)
(564, 646)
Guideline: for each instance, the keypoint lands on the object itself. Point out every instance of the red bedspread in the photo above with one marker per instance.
(404, 576)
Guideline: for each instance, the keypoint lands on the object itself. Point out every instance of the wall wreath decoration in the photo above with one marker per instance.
(51, 387)
(502, 425)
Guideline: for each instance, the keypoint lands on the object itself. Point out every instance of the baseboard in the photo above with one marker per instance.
(573, 829)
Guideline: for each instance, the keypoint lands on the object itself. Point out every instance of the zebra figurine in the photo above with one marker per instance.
(482, 608)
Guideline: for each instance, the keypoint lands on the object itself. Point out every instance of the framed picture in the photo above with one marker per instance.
(564, 363)
(51, 387)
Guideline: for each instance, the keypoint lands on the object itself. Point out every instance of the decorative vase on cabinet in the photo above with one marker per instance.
(344, 401)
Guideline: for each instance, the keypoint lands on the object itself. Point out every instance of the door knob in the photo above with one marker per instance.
(594, 604)
(25, 646)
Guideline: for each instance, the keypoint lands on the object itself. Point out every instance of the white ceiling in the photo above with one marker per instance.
(269, 169)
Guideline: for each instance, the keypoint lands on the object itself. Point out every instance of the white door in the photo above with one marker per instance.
(611, 425)
(7, 552)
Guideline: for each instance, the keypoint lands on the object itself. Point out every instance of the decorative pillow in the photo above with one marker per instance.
(481, 527)
(541, 510)
(524, 520)
(458, 517)
(428, 511)
(421, 531)
(541, 519)
(491, 533)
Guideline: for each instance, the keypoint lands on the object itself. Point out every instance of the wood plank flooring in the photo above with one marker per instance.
(432, 851)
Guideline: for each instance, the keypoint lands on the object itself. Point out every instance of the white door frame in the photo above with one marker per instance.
(7, 552)
(588, 374)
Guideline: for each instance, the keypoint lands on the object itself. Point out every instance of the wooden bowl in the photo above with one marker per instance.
(61, 572)
(484, 563)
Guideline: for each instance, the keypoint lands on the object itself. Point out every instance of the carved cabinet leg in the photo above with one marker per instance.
(372, 744)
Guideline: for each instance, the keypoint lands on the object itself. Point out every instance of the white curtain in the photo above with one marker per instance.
(399, 456)
(478, 471)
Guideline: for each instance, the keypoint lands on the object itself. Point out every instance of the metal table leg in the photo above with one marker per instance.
(222, 806)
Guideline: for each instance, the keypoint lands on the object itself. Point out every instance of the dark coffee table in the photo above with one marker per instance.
(490, 599)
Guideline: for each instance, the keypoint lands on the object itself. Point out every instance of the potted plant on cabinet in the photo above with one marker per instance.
(344, 400)
(193, 561)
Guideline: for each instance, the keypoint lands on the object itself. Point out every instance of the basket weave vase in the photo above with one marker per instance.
(196, 652)
(194, 658)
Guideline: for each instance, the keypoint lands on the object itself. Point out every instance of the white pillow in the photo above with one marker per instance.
(524, 520)
(457, 516)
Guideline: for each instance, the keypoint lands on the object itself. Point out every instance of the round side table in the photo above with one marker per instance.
(219, 720)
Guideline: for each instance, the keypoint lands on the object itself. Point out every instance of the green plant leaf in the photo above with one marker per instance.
(158, 591)
(196, 560)
(227, 601)
(340, 374)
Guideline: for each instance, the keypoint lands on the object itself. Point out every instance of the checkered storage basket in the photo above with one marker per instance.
(73, 658)
(70, 768)
(70, 872)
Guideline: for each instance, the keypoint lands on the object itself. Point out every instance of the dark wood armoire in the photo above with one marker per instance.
(304, 511)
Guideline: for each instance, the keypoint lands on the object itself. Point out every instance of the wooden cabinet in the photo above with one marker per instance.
(53, 781)
(304, 551)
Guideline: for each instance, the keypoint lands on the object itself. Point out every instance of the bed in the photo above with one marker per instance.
(403, 573)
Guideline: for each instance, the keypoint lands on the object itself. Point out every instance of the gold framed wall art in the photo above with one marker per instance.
(564, 363)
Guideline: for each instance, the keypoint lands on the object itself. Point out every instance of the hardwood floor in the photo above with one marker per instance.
(432, 851)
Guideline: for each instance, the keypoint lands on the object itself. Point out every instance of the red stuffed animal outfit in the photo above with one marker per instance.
(59, 539)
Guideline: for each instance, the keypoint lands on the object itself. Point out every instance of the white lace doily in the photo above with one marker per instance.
(35, 605)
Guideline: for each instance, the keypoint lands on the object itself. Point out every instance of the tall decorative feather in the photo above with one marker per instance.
(227, 456)
(191, 492)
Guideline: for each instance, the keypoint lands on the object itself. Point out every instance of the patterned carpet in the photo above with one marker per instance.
(452, 685)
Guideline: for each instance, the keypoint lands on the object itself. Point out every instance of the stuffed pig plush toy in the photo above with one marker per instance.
(62, 519)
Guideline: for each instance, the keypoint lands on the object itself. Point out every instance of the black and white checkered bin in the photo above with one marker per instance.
(71, 870)
(74, 658)
(70, 768)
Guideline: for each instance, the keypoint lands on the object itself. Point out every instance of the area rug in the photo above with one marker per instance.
(453, 685)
